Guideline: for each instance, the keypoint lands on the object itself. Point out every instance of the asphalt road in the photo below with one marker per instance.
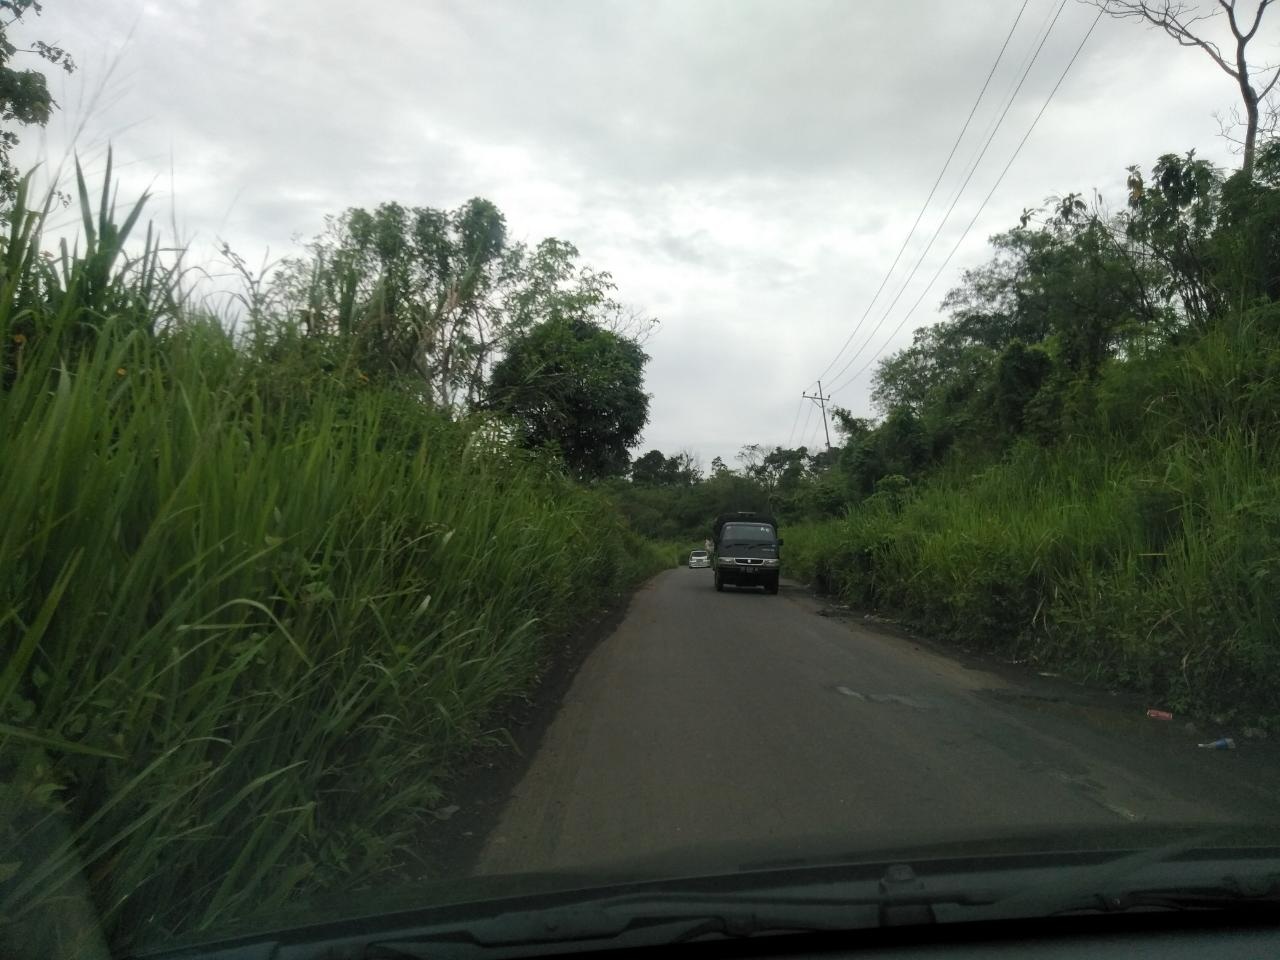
(713, 721)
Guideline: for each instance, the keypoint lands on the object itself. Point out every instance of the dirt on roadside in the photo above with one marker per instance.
(475, 798)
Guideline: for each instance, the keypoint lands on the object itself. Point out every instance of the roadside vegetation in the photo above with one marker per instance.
(275, 554)
(1078, 466)
(271, 580)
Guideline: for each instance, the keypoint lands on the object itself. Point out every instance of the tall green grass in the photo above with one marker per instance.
(1143, 552)
(253, 606)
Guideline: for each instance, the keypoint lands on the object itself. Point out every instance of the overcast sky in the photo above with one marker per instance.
(746, 170)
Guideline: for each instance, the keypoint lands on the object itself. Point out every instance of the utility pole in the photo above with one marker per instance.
(821, 401)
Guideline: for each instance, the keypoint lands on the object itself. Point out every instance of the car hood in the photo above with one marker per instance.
(926, 845)
(862, 853)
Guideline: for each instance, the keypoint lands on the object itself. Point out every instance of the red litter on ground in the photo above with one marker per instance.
(1159, 714)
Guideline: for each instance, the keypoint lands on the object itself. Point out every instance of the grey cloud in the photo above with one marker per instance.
(684, 90)
(695, 248)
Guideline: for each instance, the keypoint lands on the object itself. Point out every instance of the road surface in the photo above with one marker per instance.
(713, 721)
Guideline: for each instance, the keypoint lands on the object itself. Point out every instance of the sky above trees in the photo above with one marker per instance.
(745, 170)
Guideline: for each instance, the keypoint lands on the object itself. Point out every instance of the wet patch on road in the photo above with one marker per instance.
(919, 703)
(1095, 792)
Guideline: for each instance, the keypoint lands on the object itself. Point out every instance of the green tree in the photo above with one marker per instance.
(406, 291)
(903, 445)
(656, 469)
(848, 427)
(1075, 289)
(943, 360)
(683, 469)
(25, 100)
(437, 295)
(782, 470)
(548, 279)
(1170, 221)
(651, 469)
(1247, 242)
(578, 388)
(1020, 372)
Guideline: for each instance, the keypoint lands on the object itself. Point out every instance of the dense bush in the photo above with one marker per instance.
(245, 592)
(1139, 557)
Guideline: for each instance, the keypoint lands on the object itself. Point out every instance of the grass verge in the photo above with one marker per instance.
(252, 603)
(1144, 552)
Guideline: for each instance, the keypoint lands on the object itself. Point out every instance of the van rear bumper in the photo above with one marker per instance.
(742, 574)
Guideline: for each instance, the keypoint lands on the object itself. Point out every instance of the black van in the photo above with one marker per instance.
(746, 550)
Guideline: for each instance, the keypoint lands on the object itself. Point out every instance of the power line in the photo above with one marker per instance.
(993, 124)
(1026, 136)
(821, 401)
(938, 231)
(814, 436)
(792, 435)
(927, 200)
(1009, 91)
(804, 431)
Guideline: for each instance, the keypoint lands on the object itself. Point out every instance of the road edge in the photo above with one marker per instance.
(478, 794)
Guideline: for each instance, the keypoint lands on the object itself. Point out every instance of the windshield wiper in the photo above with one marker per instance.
(1182, 876)
(637, 925)
(1244, 893)
(1154, 879)
(651, 919)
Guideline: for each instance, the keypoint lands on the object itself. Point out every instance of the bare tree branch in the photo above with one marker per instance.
(1270, 84)
(1179, 19)
(1173, 18)
(1257, 19)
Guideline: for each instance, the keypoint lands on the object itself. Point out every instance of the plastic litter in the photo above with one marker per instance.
(1223, 743)
(1159, 714)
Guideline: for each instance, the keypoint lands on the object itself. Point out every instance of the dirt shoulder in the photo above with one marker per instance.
(475, 798)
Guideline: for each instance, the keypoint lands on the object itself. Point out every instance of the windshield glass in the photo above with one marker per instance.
(750, 532)
(366, 546)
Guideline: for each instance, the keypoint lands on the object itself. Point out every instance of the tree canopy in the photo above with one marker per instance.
(576, 388)
(437, 295)
(25, 100)
(443, 302)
